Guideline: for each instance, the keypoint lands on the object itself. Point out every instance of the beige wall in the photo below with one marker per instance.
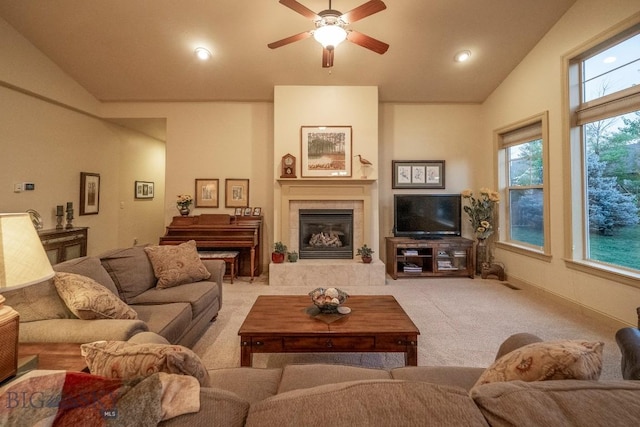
(50, 145)
(50, 134)
(536, 86)
(355, 106)
(431, 132)
(219, 140)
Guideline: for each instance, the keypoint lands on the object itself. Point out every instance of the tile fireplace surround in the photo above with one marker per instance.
(326, 194)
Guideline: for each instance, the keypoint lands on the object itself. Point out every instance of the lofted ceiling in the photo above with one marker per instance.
(142, 50)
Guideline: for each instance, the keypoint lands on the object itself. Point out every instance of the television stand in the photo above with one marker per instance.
(427, 238)
(445, 256)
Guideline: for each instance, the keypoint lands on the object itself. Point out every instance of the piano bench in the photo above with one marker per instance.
(229, 257)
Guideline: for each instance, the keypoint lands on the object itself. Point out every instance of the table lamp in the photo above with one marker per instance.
(23, 262)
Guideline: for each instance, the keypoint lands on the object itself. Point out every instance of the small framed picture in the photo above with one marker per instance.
(89, 193)
(247, 211)
(144, 190)
(417, 173)
(236, 193)
(207, 193)
(238, 212)
(257, 211)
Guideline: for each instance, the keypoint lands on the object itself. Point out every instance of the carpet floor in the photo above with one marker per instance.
(462, 322)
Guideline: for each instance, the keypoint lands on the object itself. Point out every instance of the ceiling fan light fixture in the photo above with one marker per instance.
(202, 53)
(462, 56)
(330, 36)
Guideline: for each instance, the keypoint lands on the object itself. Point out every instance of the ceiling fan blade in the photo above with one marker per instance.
(290, 39)
(364, 10)
(301, 9)
(367, 42)
(327, 58)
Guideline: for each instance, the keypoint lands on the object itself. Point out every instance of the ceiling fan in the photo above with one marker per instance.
(331, 28)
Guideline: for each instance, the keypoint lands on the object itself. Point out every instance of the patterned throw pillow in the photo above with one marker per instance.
(120, 359)
(552, 360)
(175, 265)
(89, 300)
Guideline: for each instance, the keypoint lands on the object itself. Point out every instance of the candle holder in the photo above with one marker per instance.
(69, 218)
(59, 222)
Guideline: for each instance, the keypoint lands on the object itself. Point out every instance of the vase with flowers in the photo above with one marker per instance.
(481, 211)
(183, 203)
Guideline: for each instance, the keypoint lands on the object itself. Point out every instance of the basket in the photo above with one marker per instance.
(9, 321)
(328, 300)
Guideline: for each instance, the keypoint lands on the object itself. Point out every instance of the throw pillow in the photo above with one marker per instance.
(552, 360)
(175, 265)
(89, 300)
(120, 359)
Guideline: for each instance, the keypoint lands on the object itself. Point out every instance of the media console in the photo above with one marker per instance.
(446, 256)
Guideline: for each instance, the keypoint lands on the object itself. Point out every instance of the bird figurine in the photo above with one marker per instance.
(364, 163)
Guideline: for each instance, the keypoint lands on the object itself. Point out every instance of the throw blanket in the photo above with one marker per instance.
(58, 398)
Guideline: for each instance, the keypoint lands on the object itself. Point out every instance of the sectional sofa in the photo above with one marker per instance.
(321, 395)
(178, 313)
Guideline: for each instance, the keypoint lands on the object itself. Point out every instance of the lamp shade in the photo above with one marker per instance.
(330, 36)
(23, 260)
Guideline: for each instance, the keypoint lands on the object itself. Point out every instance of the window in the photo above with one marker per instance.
(522, 153)
(604, 98)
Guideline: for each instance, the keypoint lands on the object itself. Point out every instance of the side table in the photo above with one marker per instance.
(54, 356)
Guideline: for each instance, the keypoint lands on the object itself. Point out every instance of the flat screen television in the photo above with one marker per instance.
(427, 216)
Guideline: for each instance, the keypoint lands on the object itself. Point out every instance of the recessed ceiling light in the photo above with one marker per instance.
(202, 53)
(462, 56)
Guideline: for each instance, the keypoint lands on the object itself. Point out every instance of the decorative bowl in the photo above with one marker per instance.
(327, 300)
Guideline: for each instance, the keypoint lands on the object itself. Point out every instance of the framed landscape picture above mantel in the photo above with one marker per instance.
(326, 151)
(417, 173)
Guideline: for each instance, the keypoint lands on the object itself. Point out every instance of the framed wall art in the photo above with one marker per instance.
(89, 193)
(144, 190)
(236, 193)
(326, 151)
(207, 190)
(417, 173)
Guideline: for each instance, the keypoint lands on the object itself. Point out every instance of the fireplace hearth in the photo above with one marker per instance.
(326, 233)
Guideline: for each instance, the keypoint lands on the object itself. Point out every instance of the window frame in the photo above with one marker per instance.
(501, 144)
(574, 113)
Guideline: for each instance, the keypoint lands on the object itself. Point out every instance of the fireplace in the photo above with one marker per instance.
(325, 233)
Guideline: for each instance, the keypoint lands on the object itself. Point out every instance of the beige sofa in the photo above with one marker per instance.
(320, 395)
(180, 314)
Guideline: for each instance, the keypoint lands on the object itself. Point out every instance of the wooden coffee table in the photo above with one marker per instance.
(283, 324)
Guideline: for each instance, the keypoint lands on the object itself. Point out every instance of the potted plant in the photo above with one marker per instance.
(279, 251)
(365, 253)
(183, 203)
(292, 256)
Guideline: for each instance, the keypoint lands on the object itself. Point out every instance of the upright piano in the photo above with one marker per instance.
(221, 232)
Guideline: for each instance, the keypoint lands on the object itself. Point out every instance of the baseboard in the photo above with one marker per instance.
(589, 311)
